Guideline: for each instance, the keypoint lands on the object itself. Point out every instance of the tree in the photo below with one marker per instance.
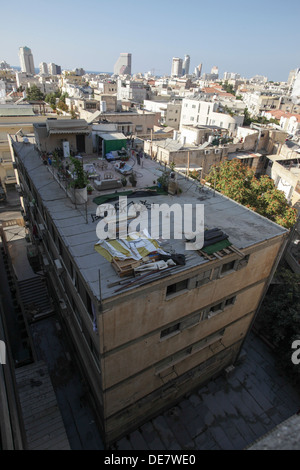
(51, 99)
(34, 94)
(228, 87)
(238, 182)
(279, 319)
(62, 105)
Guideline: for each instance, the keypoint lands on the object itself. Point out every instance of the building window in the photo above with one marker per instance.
(227, 267)
(177, 287)
(219, 307)
(170, 331)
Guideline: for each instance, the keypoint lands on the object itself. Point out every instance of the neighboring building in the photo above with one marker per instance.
(26, 60)
(176, 67)
(284, 169)
(169, 110)
(139, 122)
(43, 68)
(130, 90)
(258, 101)
(51, 134)
(123, 64)
(207, 113)
(187, 156)
(186, 65)
(144, 345)
(7, 173)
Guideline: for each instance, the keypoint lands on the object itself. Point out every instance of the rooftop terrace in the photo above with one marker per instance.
(77, 225)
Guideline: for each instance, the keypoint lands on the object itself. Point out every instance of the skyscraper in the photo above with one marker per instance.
(186, 65)
(123, 64)
(43, 68)
(176, 67)
(26, 60)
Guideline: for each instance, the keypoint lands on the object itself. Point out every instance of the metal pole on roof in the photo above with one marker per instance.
(99, 280)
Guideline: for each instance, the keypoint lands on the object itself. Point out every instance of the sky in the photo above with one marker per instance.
(254, 37)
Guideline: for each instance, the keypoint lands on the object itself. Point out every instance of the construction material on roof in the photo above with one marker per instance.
(136, 246)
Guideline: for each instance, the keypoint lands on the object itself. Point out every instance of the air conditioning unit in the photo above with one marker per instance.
(58, 266)
(206, 152)
(217, 150)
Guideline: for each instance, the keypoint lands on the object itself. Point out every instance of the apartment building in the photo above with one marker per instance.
(258, 101)
(129, 90)
(143, 346)
(170, 111)
(138, 122)
(207, 113)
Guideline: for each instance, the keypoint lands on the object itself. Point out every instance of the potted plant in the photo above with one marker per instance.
(132, 179)
(89, 189)
(79, 182)
(162, 181)
(124, 180)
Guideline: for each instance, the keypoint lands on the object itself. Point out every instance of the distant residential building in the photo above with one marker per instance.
(215, 70)
(231, 76)
(186, 65)
(197, 71)
(79, 72)
(43, 68)
(259, 79)
(129, 90)
(176, 67)
(123, 64)
(4, 65)
(26, 60)
(257, 102)
(54, 69)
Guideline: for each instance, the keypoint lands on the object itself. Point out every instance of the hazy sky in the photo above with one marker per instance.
(255, 37)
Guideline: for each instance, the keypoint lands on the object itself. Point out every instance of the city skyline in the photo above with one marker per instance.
(235, 38)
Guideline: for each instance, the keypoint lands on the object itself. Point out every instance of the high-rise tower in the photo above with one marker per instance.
(26, 60)
(176, 67)
(123, 64)
(186, 65)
